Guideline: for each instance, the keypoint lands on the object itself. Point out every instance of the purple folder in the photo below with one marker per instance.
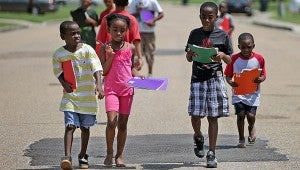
(146, 15)
(149, 83)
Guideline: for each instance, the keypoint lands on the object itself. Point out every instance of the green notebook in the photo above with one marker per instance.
(203, 55)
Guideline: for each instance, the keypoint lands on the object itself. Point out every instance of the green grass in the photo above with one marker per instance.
(6, 24)
(62, 13)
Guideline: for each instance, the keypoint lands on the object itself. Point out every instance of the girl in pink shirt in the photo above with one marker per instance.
(116, 59)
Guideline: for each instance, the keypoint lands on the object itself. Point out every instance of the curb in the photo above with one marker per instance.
(12, 28)
(272, 25)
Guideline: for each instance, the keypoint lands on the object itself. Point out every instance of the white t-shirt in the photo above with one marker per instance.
(150, 5)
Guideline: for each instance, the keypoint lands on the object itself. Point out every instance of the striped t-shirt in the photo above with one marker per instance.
(85, 63)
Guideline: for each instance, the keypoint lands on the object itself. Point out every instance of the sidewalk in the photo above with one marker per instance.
(264, 19)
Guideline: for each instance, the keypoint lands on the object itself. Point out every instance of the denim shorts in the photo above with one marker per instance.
(241, 107)
(77, 119)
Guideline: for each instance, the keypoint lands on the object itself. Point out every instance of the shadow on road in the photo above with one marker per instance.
(158, 151)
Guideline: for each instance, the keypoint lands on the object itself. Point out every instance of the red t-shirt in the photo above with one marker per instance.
(103, 13)
(132, 35)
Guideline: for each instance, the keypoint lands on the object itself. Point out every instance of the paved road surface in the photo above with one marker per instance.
(159, 130)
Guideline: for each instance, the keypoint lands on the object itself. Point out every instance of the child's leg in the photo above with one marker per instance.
(212, 132)
(68, 139)
(196, 124)
(198, 136)
(121, 138)
(240, 111)
(85, 136)
(124, 112)
(251, 129)
(240, 121)
(110, 135)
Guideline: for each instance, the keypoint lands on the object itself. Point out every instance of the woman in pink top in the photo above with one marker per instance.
(116, 59)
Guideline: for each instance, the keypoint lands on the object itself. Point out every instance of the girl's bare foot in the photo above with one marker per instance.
(108, 161)
(119, 162)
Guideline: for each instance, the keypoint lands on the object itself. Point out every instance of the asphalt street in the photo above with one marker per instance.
(159, 129)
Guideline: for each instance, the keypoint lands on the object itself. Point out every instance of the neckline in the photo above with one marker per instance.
(120, 47)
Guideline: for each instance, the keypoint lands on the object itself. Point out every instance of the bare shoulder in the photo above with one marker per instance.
(131, 46)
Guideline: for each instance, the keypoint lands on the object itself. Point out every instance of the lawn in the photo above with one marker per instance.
(62, 14)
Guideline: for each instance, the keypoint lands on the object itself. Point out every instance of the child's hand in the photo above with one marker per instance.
(189, 55)
(151, 23)
(218, 57)
(99, 92)
(258, 80)
(109, 50)
(233, 84)
(142, 76)
(67, 87)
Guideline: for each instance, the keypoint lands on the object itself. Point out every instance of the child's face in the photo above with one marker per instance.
(118, 30)
(223, 8)
(246, 46)
(86, 3)
(109, 3)
(208, 16)
(72, 35)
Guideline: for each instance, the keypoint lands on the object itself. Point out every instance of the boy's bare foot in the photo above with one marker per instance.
(119, 162)
(108, 161)
(242, 143)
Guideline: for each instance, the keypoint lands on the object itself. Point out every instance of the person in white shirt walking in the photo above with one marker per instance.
(147, 13)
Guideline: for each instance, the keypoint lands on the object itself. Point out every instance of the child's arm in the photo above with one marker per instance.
(222, 56)
(99, 89)
(106, 62)
(138, 50)
(67, 86)
(230, 82)
(90, 20)
(134, 70)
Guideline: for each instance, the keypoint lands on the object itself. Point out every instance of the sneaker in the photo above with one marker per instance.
(83, 161)
(199, 146)
(66, 163)
(211, 160)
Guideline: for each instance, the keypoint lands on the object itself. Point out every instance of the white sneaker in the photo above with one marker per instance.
(211, 160)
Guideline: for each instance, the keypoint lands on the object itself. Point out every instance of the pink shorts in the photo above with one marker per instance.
(120, 104)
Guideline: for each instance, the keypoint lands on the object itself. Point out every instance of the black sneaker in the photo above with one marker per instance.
(199, 146)
(83, 161)
(66, 163)
(211, 160)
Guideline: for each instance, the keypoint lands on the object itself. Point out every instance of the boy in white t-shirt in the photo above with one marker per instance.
(146, 27)
(246, 105)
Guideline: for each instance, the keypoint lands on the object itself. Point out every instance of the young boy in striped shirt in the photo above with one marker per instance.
(80, 97)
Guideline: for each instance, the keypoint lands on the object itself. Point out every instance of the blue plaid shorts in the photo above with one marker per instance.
(209, 98)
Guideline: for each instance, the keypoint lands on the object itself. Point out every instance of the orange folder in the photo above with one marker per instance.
(69, 73)
(245, 80)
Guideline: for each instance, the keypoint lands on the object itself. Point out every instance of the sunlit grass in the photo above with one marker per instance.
(62, 13)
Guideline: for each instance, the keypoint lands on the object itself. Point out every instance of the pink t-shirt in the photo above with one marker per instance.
(116, 80)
